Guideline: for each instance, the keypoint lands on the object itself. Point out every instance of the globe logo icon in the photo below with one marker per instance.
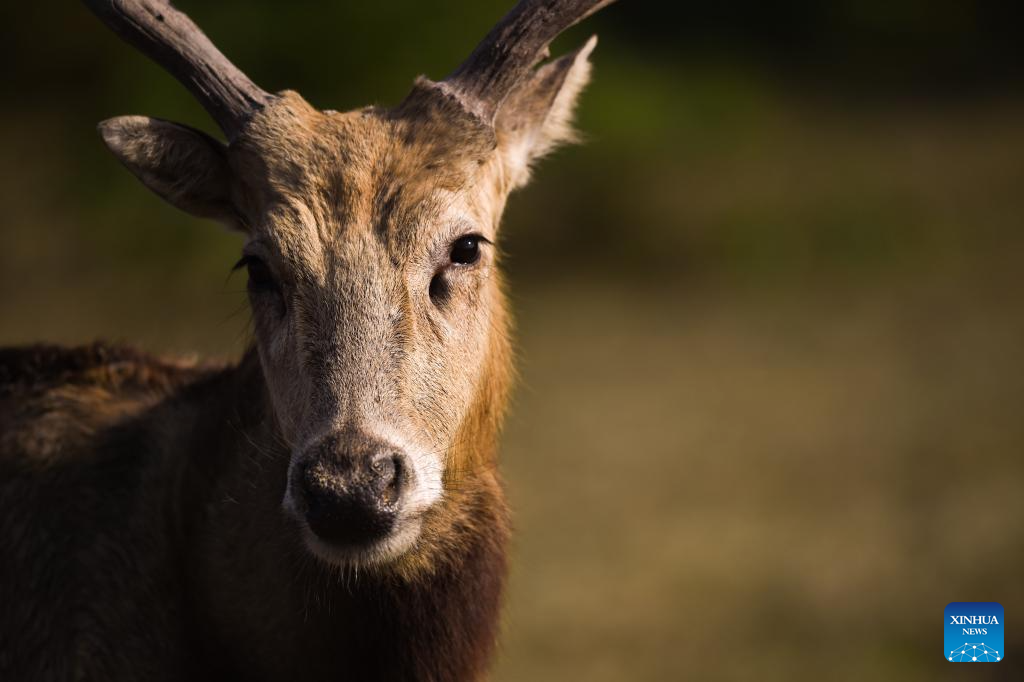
(974, 653)
(973, 632)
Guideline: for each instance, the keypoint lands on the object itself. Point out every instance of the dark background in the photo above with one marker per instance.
(770, 314)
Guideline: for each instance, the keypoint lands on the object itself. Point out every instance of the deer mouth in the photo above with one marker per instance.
(400, 540)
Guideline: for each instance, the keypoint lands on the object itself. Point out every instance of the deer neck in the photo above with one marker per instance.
(261, 602)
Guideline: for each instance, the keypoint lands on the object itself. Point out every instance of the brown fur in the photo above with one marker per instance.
(149, 526)
(150, 544)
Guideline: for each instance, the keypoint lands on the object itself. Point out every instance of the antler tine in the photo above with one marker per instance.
(511, 49)
(173, 41)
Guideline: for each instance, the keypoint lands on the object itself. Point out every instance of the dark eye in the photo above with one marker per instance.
(260, 276)
(466, 250)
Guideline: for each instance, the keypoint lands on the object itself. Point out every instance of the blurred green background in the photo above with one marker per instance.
(771, 324)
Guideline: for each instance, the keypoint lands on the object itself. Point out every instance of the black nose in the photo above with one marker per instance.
(352, 488)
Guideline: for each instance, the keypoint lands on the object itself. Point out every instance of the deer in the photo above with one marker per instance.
(329, 505)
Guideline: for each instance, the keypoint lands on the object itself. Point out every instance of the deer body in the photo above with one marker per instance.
(328, 507)
(149, 542)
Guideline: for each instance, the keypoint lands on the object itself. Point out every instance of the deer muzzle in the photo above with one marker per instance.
(349, 489)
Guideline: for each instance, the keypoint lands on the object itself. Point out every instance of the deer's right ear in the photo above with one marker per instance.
(184, 166)
(537, 117)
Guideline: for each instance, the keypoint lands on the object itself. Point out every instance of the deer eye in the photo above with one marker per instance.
(260, 276)
(466, 250)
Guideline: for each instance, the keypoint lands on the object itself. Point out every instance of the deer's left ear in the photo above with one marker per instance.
(537, 116)
(186, 167)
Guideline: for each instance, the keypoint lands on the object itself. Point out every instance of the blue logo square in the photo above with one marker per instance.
(974, 632)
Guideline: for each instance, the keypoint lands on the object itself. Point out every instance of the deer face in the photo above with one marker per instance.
(370, 250)
(373, 286)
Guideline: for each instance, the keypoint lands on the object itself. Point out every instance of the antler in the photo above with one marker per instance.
(170, 39)
(511, 49)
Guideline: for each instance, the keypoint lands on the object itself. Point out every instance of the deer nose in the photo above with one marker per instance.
(352, 495)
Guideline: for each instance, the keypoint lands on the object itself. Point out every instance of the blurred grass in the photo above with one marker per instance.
(770, 315)
(773, 486)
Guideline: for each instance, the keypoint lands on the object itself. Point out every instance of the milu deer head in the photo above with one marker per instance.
(370, 237)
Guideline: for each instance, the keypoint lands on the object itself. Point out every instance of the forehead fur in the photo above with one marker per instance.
(372, 168)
